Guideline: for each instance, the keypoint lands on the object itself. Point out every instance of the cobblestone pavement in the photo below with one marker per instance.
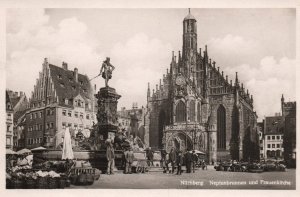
(201, 179)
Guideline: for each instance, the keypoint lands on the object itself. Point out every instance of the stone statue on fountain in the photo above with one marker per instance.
(106, 70)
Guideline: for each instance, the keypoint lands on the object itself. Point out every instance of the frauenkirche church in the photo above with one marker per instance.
(196, 107)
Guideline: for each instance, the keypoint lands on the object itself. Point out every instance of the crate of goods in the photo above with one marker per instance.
(82, 175)
(42, 182)
(17, 183)
(30, 183)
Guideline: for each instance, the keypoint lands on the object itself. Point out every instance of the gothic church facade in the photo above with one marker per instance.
(196, 107)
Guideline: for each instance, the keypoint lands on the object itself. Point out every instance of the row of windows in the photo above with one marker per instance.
(40, 104)
(39, 127)
(36, 115)
(274, 145)
(31, 141)
(76, 114)
(278, 137)
(64, 124)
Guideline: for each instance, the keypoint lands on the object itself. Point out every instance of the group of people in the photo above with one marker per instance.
(178, 159)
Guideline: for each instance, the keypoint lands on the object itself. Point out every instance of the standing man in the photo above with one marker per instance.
(188, 161)
(129, 160)
(172, 158)
(106, 70)
(179, 162)
(150, 157)
(110, 156)
(195, 160)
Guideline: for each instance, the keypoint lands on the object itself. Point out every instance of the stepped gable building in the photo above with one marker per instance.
(195, 106)
(61, 98)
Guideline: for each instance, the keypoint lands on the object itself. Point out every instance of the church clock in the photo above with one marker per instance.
(180, 80)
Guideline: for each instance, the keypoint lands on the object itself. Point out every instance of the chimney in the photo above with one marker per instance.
(65, 65)
(76, 74)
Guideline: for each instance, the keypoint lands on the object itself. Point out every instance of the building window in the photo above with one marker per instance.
(75, 126)
(81, 82)
(268, 137)
(64, 112)
(198, 112)
(59, 76)
(269, 145)
(282, 137)
(273, 137)
(277, 145)
(66, 101)
(63, 125)
(180, 112)
(221, 127)
(41, 113)
(48, 112)
(76, 114)
(278, 137)
(41, 127)
(70, 113)
(88, 116)
(47, 126)
(70, 125)
(51, 125)
(273, 145)
(192, 111)
(81, 115)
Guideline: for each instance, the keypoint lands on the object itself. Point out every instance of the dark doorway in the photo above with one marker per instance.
(161, 125)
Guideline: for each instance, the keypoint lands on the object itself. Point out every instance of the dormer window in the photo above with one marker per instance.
(59, 76)
(70, 79)
(81, 82)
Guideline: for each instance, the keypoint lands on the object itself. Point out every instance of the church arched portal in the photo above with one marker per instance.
(180, 141)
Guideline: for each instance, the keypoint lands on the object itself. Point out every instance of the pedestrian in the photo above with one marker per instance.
(188, 161)
(179, 162)
(195, 160)
(172, 158)
(110, 156)
(204, 166)
(124, 162)
(129, 160)
(164, 160)
(150, 157)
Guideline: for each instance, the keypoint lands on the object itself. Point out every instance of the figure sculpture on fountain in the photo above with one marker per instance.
(106, 70)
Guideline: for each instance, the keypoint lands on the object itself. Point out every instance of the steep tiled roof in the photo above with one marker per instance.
(274, 125)
(65, 85)
(14, 101)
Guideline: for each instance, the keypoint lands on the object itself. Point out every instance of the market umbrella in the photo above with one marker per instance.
(198, 152)
(10, 152)
(23, 151)
(38, 148)
(67, 152)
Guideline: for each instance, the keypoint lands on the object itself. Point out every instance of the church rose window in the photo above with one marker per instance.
(180, 112)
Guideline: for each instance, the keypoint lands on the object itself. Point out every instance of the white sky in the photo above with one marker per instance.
(257, 43)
